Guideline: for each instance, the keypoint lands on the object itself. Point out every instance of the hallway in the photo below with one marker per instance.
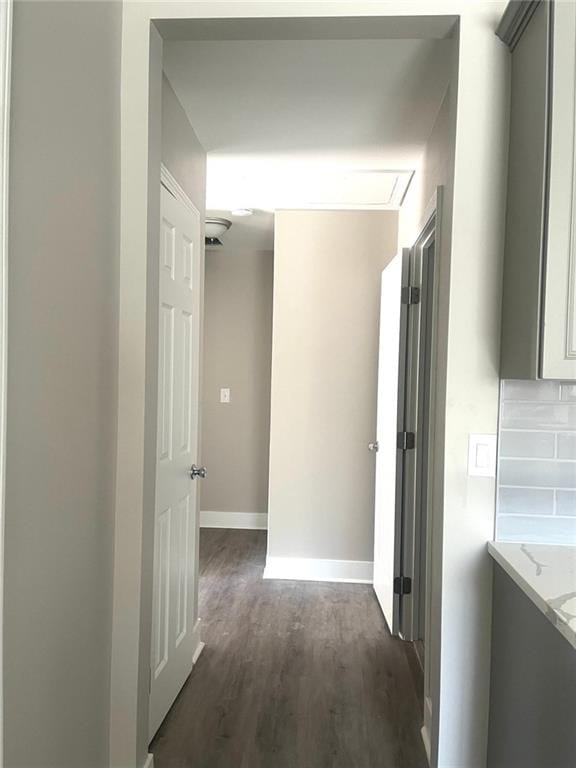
(294, 675)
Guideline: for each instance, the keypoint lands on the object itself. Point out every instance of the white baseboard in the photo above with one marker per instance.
(199, 648)
(252, 520)
(425, 731)
(149, 761)
(198, 644)
(426, 741)
(312, 569)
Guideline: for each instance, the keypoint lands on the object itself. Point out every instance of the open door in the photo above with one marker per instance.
(414, 422)
(385, 497)
(404, 429)
(175, 640)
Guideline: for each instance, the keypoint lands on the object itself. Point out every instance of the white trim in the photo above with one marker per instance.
(314, 569)
(168, 181)
(426, 729)
(257, 521)
(149, 761)
(426, 741)
(199, 648)
(5, 69)
(199, 645)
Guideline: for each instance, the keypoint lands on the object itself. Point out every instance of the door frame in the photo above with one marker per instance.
(6, 12)
(473, 161)
(434, 529)
(142, 56)
(408, 533)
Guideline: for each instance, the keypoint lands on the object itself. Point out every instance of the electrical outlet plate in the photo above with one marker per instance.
(482, 455)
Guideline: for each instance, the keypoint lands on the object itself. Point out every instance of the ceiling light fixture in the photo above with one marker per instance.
(242, 212)
(214, 228)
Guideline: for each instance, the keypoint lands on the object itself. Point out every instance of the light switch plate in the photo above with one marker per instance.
(482, 455)
(225, 395)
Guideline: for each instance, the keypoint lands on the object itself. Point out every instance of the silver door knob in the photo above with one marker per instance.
(197, 472)
(373, 446)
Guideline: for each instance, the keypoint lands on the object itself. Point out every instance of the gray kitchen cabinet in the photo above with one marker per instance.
(539, 299)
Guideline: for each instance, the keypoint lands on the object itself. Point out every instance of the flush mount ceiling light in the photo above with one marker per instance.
(215, 227)
(242, 212)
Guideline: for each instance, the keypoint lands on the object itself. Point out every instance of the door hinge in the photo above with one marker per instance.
(149, 680)
(406, 441)
(402, 585)
(410, 294)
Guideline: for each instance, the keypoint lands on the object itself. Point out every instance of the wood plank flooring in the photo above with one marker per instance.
(294, 674)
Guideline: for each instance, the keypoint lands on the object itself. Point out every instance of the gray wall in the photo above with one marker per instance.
(537, 462)
(327, 268)
(533, 685)
(237, 354)
(182, 153)
(62, 337)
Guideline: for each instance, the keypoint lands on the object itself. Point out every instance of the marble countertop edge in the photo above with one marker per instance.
(547, 575)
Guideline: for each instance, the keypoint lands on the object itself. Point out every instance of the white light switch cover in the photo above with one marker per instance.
(225, 395)
(482, 455)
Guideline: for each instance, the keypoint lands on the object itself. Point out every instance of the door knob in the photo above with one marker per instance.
(373, 446)
(197, 472)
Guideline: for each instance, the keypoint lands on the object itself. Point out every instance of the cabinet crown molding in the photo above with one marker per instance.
(514, 21)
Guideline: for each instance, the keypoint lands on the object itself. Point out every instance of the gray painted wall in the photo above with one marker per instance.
(533, 685)
(237, 354)
(327, 268)
(182, 153)
(62, 342)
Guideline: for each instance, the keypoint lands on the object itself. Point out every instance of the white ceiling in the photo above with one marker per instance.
(272, 183)
(248, 233)
(367, 103)
(309, 123)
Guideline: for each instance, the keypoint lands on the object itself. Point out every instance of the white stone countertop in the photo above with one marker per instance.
(547, 574)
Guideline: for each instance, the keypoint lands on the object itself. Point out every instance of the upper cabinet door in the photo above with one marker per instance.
(558, 350)
(539, 292)
(524, 247)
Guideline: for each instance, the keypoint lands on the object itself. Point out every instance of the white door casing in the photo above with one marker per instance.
(175, 641)
(385, 497)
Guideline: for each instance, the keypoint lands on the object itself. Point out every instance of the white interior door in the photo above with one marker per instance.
(174, 638)
(387, 426)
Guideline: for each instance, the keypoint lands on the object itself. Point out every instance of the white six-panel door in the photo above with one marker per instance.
(174, 636)
(387, 427)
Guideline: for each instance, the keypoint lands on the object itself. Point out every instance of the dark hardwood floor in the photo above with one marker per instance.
(294, 674)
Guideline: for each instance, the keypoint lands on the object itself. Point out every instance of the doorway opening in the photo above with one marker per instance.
(295, 247)
(332, 184)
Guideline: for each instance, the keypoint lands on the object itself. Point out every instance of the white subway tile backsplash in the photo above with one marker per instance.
(568, 392)
(535, 445)
(537, 462)
(551, 530)
(567, 445)
(566, 503)
(528, 501)
(538, 474)
(549, 416)
(530, 390)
